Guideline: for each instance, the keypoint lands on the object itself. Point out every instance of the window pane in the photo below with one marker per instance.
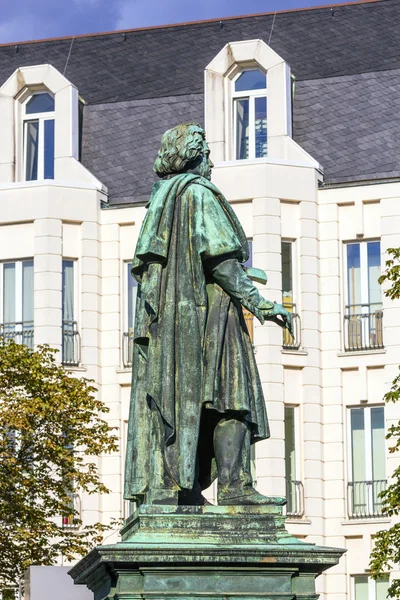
(358, 443)
(290, 443)
(261, 127)
(68, 290)
(32, 147)
(353, 274)
(378, 443)
(361, 587)
(132, 294)
(9, 293)
(287, 284)
(27, 291)
(242, 128)
(382, 585)
(49, 149)
(374, 271)
(40, 103)
(253, 79)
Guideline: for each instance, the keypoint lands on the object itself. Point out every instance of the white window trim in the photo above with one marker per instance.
(18, 289)
(251, 95)
(363, 269)
(371, 586)
(41, 118)
(368, 441)
(295, 271)
(126, 264)
(297, 446)
(76, 307)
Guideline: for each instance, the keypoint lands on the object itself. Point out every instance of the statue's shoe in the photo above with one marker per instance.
(248, 497)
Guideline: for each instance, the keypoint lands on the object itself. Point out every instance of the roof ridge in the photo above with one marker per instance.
(214, 20)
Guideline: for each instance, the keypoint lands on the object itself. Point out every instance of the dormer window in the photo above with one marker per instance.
(38, 128)
(250, 114)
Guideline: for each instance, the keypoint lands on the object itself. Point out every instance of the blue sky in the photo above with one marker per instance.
(35, 19)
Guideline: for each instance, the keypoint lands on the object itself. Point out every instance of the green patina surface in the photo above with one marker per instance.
(197, 401)
(196, 406)
(205, 552)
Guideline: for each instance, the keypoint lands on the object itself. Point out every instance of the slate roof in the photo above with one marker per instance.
(140, 82)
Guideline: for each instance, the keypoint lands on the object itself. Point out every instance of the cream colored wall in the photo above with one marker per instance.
(352, 378)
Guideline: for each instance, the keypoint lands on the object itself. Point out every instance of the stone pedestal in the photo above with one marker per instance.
(211, 552)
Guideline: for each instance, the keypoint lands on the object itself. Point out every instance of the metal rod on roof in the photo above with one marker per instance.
(272, 28)
(69, 54)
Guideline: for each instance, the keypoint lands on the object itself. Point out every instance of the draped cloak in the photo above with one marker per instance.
(191, 349)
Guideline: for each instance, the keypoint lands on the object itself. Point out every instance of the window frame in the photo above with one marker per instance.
(372, 583)
(232, 77)
(18, 287)
(40, 118)
(364, 276)
(367, 442)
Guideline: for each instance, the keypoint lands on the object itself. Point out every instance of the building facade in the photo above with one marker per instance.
(301, 114)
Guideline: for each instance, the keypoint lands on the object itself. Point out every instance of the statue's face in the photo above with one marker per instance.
(202, 165)
(206, 164)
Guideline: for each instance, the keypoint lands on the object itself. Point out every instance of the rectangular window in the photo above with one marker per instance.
(366, 588)
(17, 301)
(368, 461)
(249, 93)
(294, 487)
(70, 335)
(289, 341)
(131, 288)
(363, 311)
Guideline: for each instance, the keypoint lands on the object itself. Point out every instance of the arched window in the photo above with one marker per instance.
(250, 114)
(38, 140)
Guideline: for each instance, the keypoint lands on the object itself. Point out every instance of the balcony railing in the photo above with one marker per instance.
(69, 522)
(21, 332)
(363, 498)
(127, 348)
(294, 498)
(292, 342)
(71, 344)
(363, 327)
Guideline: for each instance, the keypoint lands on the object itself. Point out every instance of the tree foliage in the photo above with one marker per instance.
(386, 552)
(51, 428)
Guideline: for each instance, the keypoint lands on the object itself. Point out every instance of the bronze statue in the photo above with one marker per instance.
(197, 402)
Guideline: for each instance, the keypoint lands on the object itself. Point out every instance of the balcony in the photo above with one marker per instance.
(363, 499)
(363, 327)
(295, 498)
(292, 342)
(69, 522)
(71, 344)
(19, 332)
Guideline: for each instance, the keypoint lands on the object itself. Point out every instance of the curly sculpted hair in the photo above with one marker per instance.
(179, 146)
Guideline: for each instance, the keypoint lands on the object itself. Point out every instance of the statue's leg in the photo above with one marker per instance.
(232, 454)
(162, 489)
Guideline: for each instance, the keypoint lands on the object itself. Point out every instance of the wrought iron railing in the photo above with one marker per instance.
(363, 327)
(71, 343)
(294, 498)
(363, 498)
(69, 521)
(127, 348)
(292, 342)
(21, 332)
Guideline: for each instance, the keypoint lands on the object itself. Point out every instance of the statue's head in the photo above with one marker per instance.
(184, 149)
